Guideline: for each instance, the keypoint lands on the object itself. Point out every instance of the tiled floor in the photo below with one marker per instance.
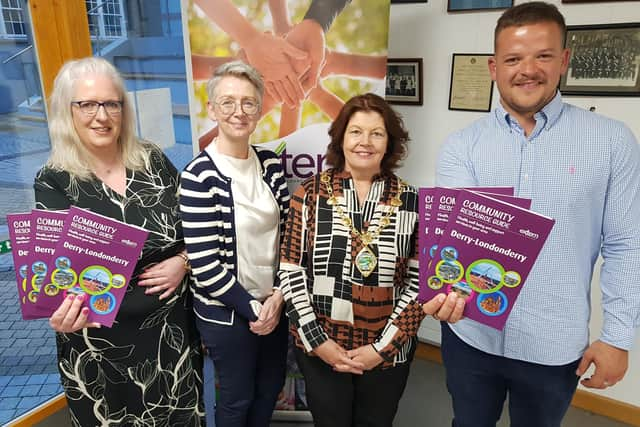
(28, 373)
(425, 402)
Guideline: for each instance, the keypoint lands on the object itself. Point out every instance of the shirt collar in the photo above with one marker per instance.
(549, 113)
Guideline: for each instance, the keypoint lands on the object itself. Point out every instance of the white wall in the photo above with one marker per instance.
(426, 30)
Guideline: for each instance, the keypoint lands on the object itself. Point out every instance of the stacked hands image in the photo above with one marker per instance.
(298, 58)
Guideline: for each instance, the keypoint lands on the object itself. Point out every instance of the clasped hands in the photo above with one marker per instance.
(292, 67)
(447, 308)
(354, 361)
(269, 316)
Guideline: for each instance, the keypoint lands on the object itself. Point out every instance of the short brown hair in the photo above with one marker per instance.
(397, 134)
(534, 12)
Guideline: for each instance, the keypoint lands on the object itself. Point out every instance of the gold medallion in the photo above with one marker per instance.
(366, 261)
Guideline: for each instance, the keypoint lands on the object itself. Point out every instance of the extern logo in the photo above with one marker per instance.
(129, 243)
(529, 233)
(301, 165)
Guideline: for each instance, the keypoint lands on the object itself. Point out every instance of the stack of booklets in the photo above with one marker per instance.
(480, 243)
(57, 253)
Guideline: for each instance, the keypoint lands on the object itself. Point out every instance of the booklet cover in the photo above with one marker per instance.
(96, 256)
(46, 228)
(485, 255)
(433, 218)
(445, 199)
(425, 207)
(20, 237)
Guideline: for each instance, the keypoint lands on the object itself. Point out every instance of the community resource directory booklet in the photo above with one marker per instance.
(20, 234)
(485, 255)
(95, 256)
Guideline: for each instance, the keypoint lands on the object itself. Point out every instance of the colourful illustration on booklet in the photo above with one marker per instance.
(485, 254)
(96, 256)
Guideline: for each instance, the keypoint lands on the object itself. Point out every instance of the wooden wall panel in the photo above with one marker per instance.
(61, 33)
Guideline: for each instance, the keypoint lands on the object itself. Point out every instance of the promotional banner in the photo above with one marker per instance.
(313, 55)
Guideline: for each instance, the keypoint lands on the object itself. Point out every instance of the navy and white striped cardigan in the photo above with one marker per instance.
(206, 207)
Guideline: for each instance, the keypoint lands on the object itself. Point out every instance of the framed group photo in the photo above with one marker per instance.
(471, 86)
(404, 81)
(604, 60)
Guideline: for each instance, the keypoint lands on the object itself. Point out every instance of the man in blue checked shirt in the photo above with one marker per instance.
(581, 169)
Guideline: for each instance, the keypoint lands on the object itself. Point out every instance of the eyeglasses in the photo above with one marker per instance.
(248, 106)
(90, 108)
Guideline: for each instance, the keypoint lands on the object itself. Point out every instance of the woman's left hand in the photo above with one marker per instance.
(367, 355)
(269, 315)
(163, 277)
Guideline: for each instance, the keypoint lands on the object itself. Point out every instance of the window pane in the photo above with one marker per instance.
(28, 356)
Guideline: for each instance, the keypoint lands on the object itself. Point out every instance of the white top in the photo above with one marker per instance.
(257, 223)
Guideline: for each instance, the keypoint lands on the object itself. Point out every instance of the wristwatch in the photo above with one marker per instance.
(185, 258)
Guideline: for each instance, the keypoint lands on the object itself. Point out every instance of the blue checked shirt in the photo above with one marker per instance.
(583, 170)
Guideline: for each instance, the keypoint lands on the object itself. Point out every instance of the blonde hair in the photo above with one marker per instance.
(68, 153)
(239, 70)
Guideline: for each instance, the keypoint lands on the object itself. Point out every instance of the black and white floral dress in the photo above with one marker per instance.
(146, 370)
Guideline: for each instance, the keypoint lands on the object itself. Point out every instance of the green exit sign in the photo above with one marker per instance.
(5, 246)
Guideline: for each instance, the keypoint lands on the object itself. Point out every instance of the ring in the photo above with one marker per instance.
(606, 383)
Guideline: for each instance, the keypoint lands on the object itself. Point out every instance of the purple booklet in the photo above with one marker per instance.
(46, 228)
(435, 205)
(95, 256)
(425, 208)
(485, 255)
(20, 236)
(445, 200)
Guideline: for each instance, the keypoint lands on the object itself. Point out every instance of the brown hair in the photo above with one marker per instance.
(534, 12)
(397, 134)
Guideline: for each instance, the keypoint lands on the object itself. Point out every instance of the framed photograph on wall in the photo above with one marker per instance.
(404, 81)
(462, 5)
(604, 60)
(471, 86)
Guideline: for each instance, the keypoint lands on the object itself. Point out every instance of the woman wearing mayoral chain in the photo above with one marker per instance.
(349, 271)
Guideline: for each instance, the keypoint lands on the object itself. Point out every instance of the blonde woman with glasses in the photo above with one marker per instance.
(148, 366)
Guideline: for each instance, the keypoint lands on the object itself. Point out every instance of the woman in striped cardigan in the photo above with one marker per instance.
(234, 201)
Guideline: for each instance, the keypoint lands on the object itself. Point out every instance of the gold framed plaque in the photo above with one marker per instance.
(471, 85)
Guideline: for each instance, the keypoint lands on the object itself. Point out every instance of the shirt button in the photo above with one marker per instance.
(526, 176)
